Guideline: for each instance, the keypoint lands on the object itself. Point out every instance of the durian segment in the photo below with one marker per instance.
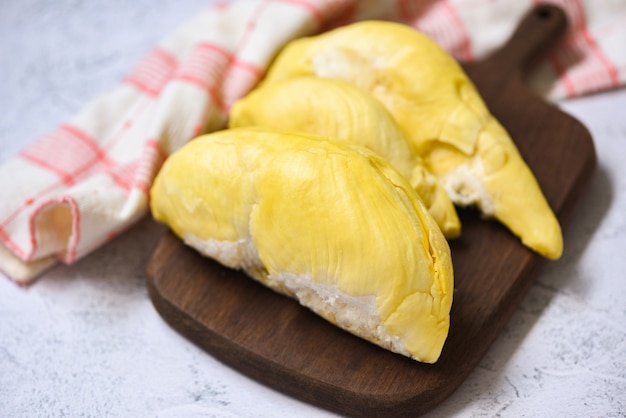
(328, 223)
(438, 108)
(337, 109)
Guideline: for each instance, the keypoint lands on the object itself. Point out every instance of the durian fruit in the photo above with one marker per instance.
(441, 113)
(337, 109)
(330, 224)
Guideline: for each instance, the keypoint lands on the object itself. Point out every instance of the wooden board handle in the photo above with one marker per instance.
(538, 31)
(507, 67)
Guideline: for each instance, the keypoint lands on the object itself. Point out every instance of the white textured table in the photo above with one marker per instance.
(86, 341)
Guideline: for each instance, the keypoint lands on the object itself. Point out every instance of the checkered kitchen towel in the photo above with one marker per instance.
(88, 179)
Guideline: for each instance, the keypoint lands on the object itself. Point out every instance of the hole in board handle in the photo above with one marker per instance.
(544, 12)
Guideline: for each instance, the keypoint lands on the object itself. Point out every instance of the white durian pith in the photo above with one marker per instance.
(356, 314)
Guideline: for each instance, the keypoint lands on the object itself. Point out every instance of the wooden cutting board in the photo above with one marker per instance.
(283, 345)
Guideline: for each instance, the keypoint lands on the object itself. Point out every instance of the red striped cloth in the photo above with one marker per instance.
(88, 179)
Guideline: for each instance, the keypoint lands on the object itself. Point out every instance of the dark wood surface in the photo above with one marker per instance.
(283, 345)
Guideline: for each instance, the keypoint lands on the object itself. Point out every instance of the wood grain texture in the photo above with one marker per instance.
(273, 339)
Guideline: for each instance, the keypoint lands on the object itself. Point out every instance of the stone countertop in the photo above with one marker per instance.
(85, 340)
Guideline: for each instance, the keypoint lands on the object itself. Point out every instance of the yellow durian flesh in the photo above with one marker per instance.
(475, 179)
(330, 224)
(337, 109)
(440, 111)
